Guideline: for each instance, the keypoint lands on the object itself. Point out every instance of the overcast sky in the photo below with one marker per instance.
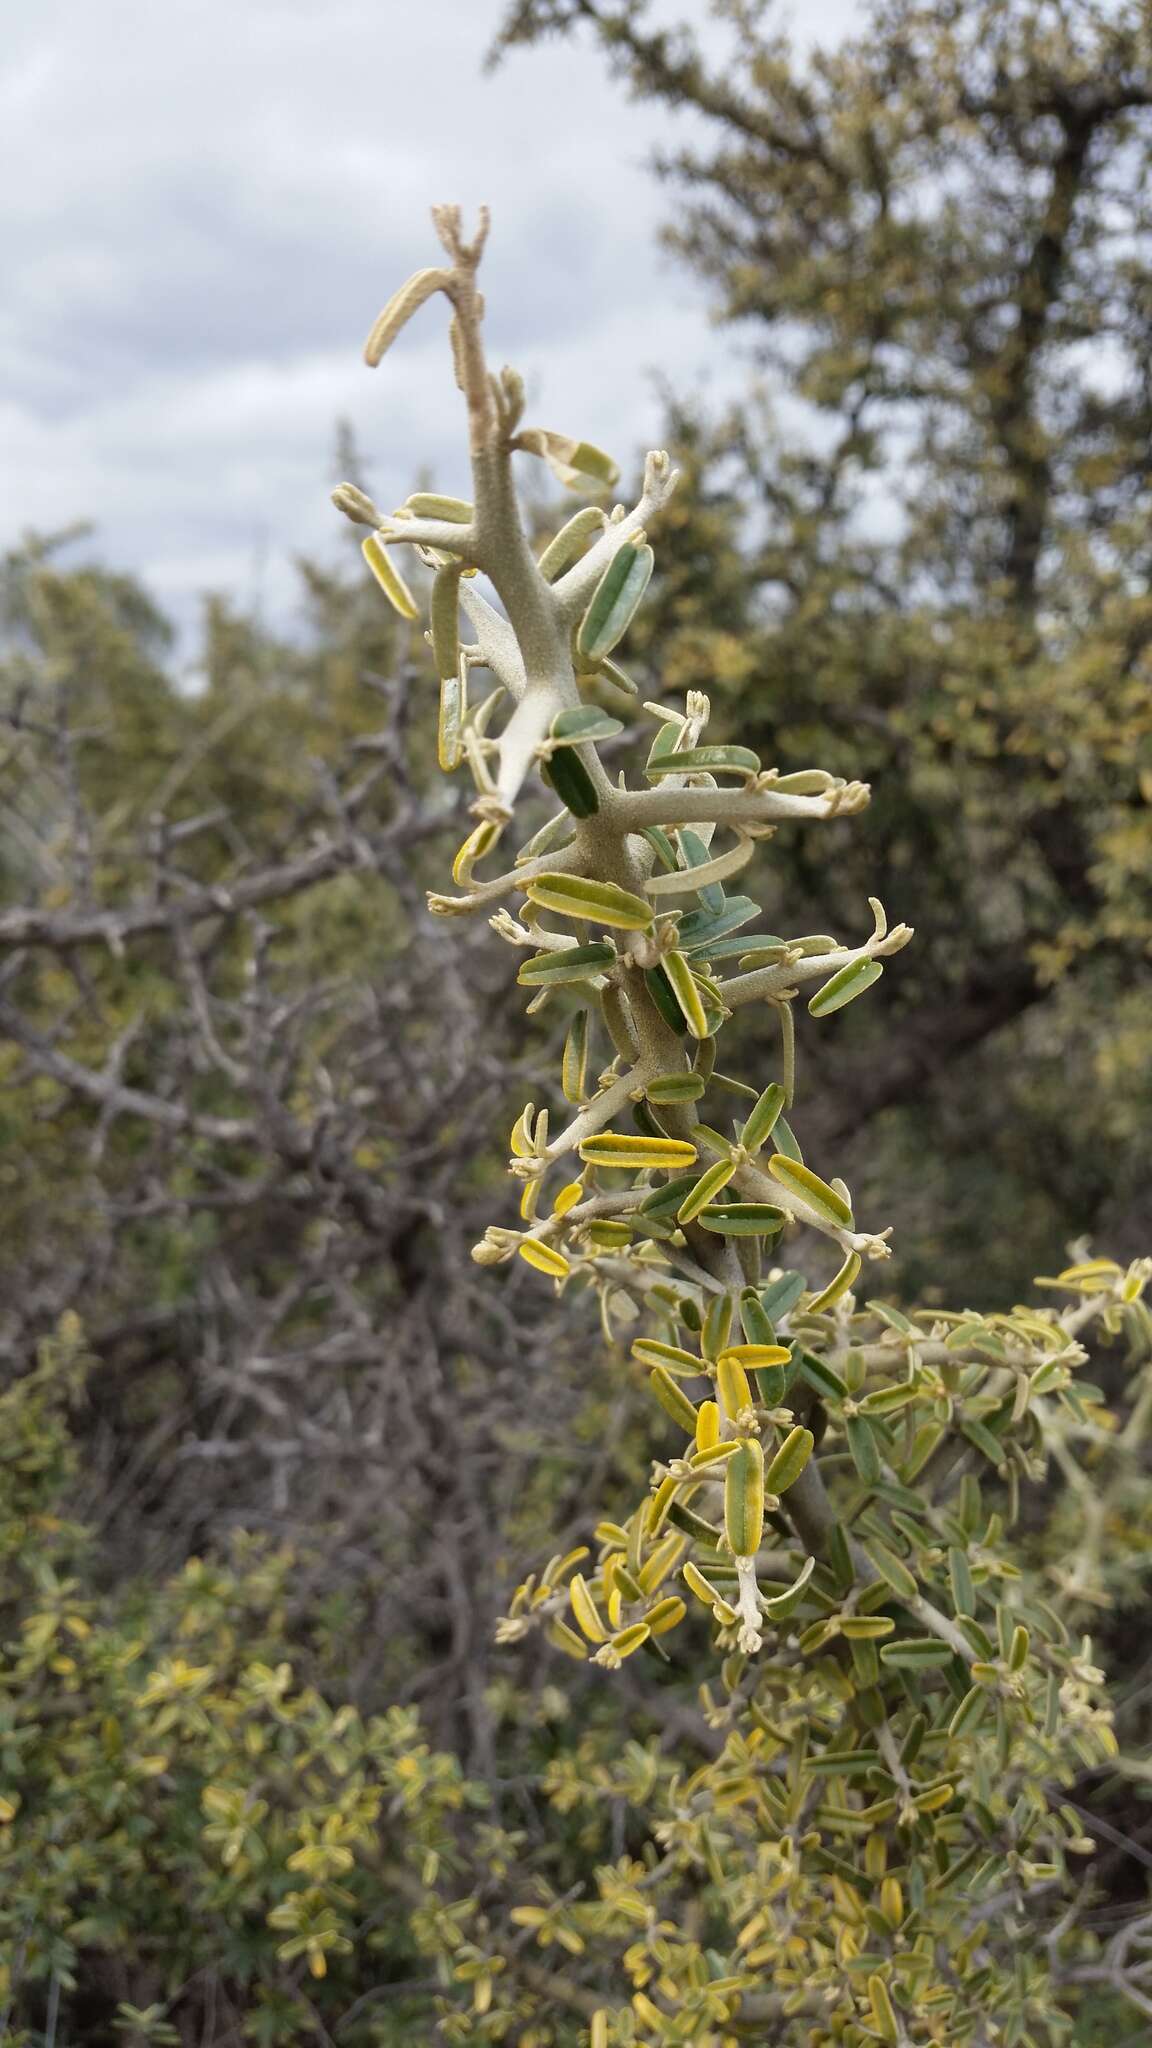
(204, 203)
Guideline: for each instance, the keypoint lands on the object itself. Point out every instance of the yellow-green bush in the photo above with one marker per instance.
(180, 1807)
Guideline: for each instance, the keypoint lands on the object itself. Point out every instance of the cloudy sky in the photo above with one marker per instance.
(206, 202)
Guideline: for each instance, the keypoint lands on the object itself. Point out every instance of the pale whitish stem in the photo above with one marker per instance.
(537, 940)
(889, 1750)
(573, 590)
(496, 538)
(768, 983)
(637, 1278)
(691, 804)
(599, 1112)
(484, 893)
(521, 737)
(443, 534)
(541, 617)
(495, 643)
(748, 1605)
(760, 1187)
(609, 1206)
(936, 1623)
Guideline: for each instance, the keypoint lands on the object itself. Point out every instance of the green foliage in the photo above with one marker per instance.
(882, 1829)
(175, 1798)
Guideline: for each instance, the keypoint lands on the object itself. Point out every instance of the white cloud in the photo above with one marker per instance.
(205, 204)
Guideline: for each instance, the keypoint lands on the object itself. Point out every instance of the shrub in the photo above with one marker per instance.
(880, 1838)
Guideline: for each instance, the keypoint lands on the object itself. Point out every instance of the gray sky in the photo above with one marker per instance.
(205, 203)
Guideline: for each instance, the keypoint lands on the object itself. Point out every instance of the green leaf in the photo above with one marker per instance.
(662, 846)
(816, 1193)
(786, 1141)
(822, 1376)
(445, 622)
(573, 963)
(650, 1351)
(611, 672)
(970, 1712)
(744, 1498)
(681, 1087)
(837, 1287)
(804, 782)
(388, 577)
(737, 949)
(673, 1401)
(567, 775)
(862, 1445)
(582, 724)
(753, 953)
(894, 1317)
(665, 743)
(574, 1063)
(664, 1201)
(842, 1763)
(757, 1326)
(591, 463)
(716, 1326)
(700, 928)
(697, 855)
(711, 760)
(789, 1461)
(596, 902)
(778, 1606)
(646, 1120)
(891, 1569)
(619, 1148)
(889, 1400)
(694, 1525)
(742, 1219)
(960, 1580)
(916, 1653)
(571, 542)
(781, 1295)
(683, 984)
(432, 505)
(577, 464)
(845, 986)
(661, 991)
(702, 1191)
(984, 1441)
(760, 1122)
(615, 601)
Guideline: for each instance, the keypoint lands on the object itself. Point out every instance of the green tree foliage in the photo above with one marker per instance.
(933, 562)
